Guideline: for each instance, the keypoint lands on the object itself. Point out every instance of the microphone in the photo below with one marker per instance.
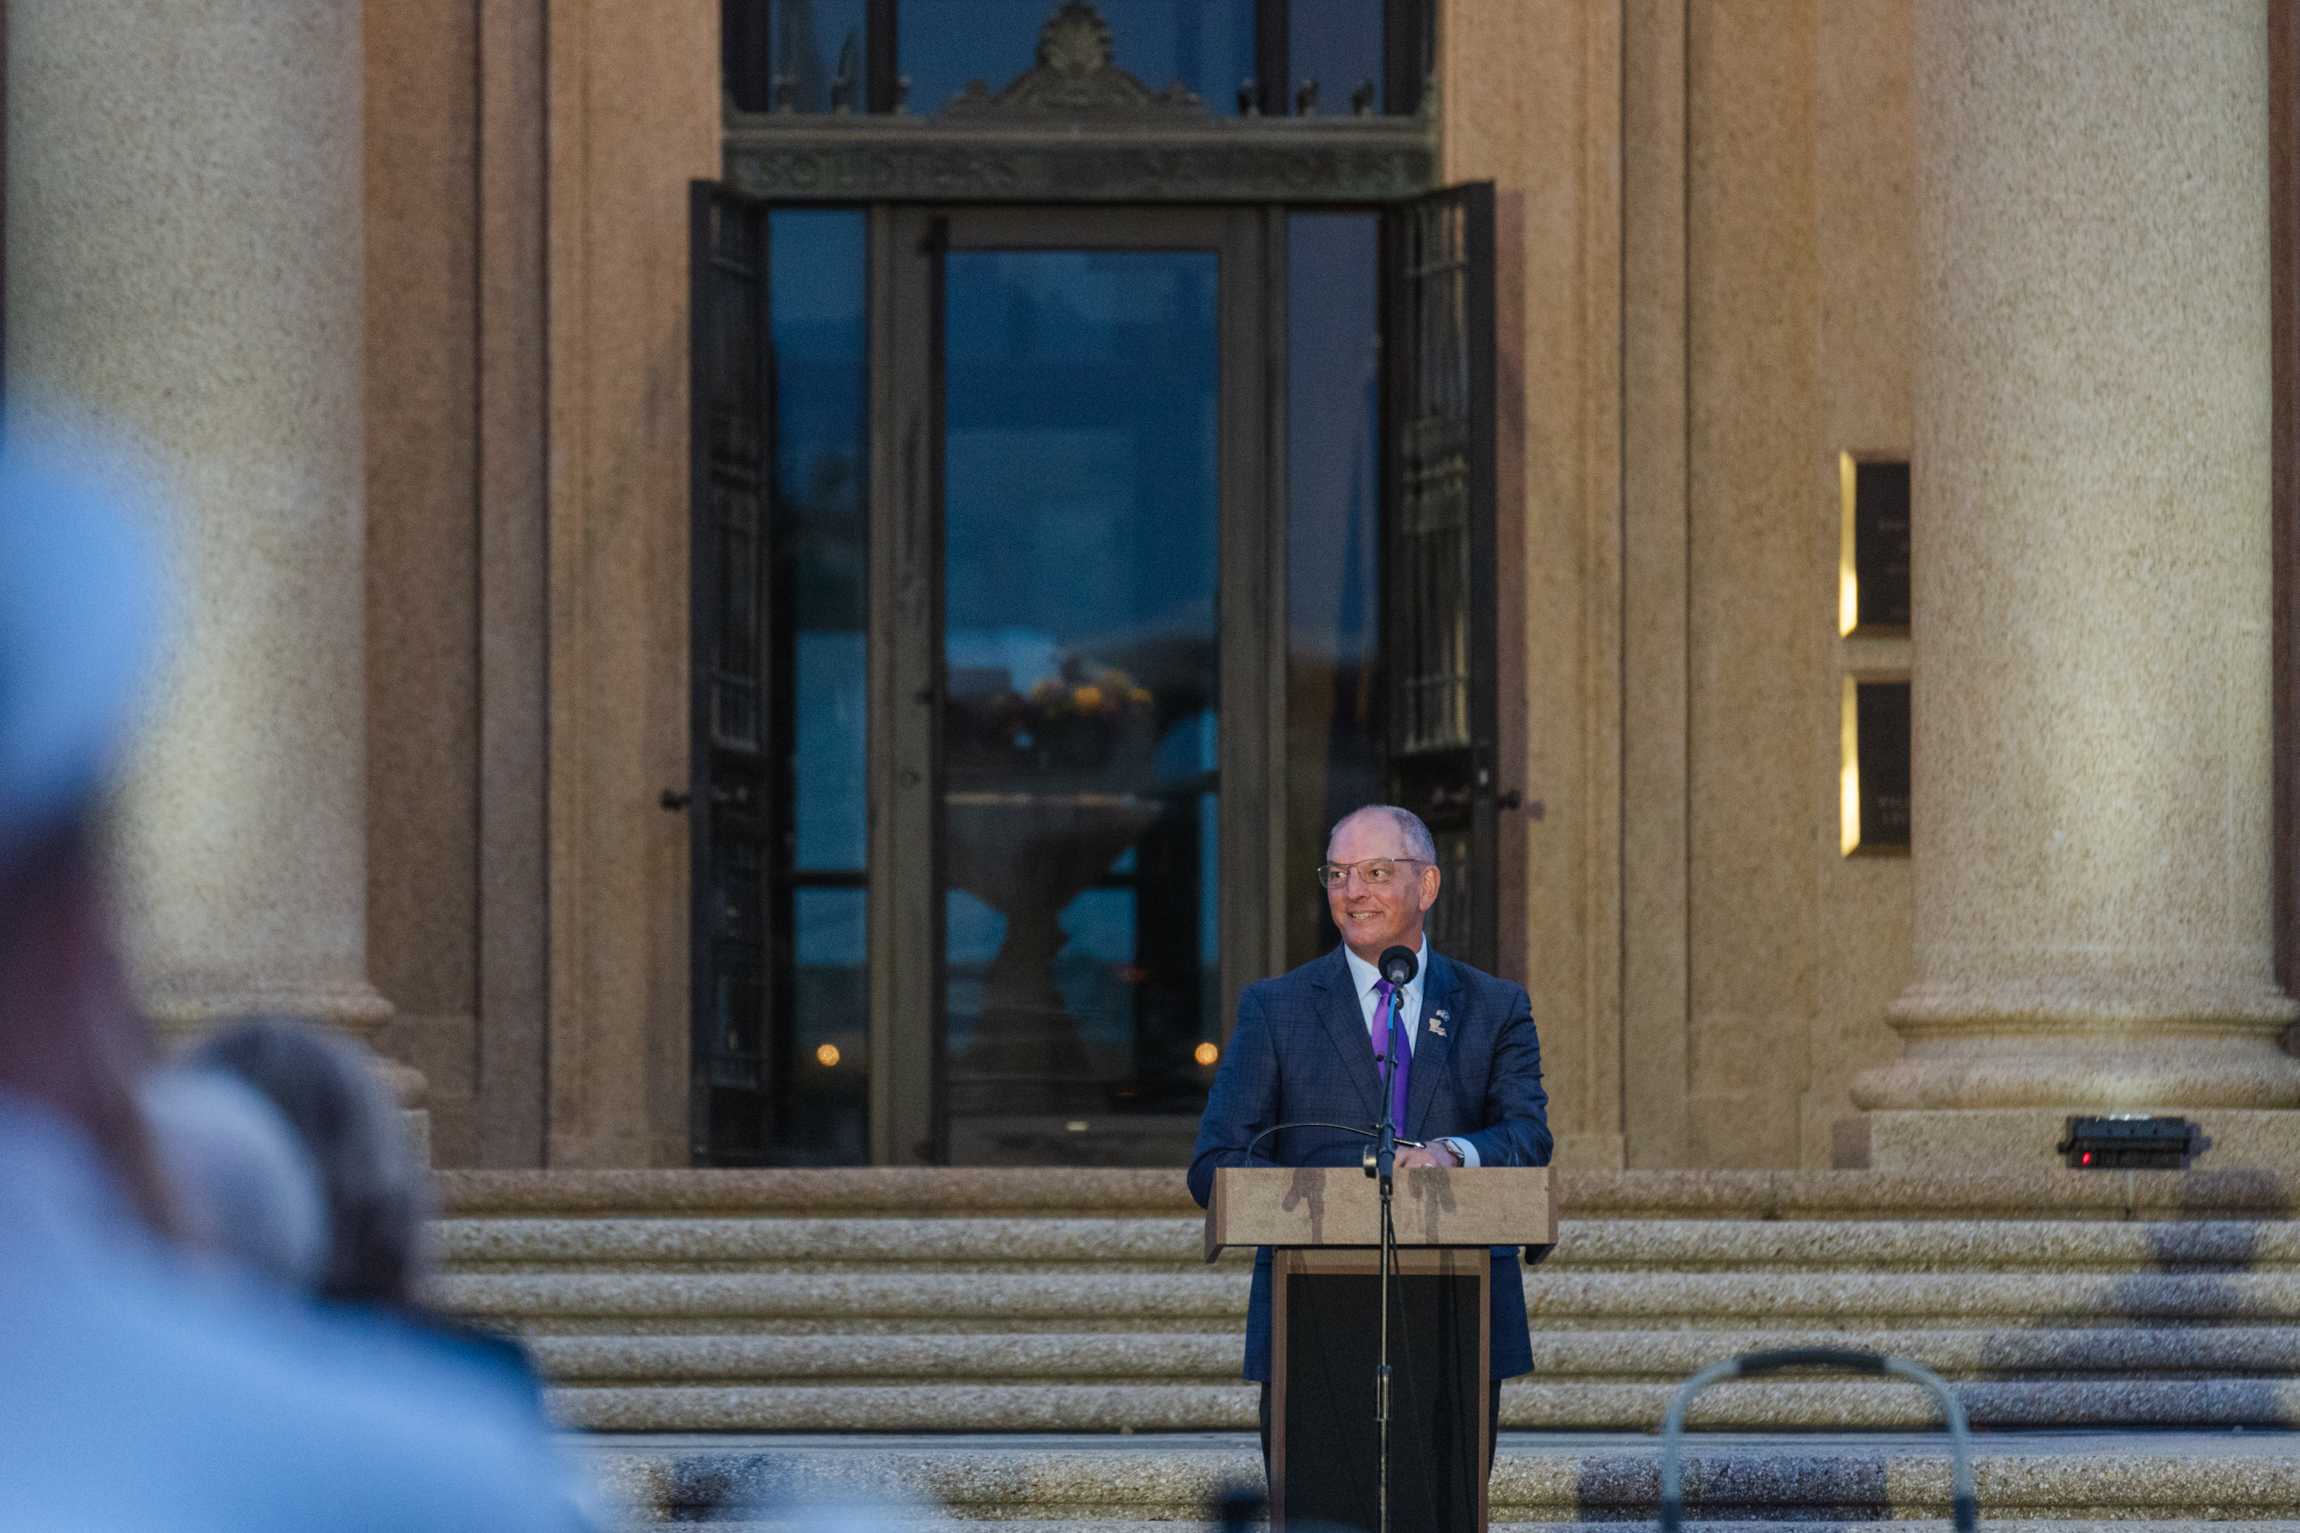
(1397, 967)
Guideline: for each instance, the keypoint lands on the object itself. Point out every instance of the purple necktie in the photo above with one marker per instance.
(1381, 1033)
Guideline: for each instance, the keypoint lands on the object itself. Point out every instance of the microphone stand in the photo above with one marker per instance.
(1380, 1159)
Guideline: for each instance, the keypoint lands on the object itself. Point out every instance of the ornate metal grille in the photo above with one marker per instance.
(1434, 510)
(733, 1074)
(1079, 125)
(1440, 594)
(820, 57)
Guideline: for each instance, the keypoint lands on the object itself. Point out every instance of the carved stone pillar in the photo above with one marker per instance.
(2091, 628)
(184, 265)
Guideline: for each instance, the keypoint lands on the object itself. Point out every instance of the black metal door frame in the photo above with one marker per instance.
(1441, 368)
(1440, 761)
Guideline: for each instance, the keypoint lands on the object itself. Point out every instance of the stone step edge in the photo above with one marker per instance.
(1533, 1485)
(836, 1358)
(1765, 1405)
(686, 1240)
(1564, 1299)
(803, 1523)
(2034, 1192)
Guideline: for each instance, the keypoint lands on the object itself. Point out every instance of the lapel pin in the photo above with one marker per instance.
(1437, 1024)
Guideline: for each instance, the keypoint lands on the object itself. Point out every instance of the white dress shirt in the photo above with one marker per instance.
(1365, 976)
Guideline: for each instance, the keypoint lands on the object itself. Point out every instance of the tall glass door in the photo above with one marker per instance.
(1080, 520)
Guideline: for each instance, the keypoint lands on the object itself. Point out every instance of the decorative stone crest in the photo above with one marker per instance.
(1077, 75)
(1077, 128)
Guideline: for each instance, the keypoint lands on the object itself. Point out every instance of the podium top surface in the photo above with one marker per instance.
(1342, 1206)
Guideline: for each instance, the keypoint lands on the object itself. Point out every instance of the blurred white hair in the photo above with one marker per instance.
(245, 1192)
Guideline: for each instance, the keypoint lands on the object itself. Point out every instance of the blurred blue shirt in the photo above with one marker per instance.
(134, 1395)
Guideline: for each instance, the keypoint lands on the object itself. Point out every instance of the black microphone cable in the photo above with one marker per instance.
(1339, 1128)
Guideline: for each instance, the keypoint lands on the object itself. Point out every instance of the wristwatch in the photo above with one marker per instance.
(1452, 1149)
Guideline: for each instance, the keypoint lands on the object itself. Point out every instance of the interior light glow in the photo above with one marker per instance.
(1848, 578)
(1849, 771)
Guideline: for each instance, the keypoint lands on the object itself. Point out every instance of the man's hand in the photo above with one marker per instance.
(1408, 1159)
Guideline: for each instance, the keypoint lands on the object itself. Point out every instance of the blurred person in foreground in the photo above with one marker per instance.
(375, 1194)
(134, 1393)
(243, 1195)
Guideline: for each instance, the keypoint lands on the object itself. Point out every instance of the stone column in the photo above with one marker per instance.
(2091, 631)
(184, 266)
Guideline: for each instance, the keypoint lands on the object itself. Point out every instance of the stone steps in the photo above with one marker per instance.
(1614, 1380)
(1790, 1406)
(1659, 1356)
(901, 1300)
(920, 1192)
(1592, 1244)
(877, 1519)
(2054, 1483)
(1578, 1300)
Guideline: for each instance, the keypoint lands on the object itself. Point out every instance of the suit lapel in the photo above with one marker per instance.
(1345, 1022)
(1432, 1050)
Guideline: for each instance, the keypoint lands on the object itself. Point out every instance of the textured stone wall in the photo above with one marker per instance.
(1707, 222)
(1532, 103)
(1716, 215)
(184, 267)
(454, 140)
(634, 109)
(422, 578)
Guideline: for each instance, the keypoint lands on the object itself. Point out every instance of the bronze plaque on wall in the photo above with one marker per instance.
(1874, 565)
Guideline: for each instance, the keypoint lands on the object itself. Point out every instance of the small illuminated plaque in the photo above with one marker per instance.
(1876, 779)
(1873, 563)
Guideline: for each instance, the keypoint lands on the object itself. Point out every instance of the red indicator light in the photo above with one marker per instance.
(2087, 1158)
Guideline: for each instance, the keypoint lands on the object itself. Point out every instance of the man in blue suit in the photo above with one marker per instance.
(1305, 1048)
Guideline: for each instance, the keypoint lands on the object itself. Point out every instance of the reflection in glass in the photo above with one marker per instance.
(818, 884)
(1079, 728)
(821, 434)
(794, 55)
(1337, 43)
(827, 1123)
(1333, 546)
(1206, 46)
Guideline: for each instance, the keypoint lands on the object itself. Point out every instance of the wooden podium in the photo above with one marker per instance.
(1324, 1224)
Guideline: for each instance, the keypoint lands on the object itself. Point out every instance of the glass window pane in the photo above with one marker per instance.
(818, 892)
(743, 67)
(826, 1121)
(787, 54)
(1333, 546)
(1080, 736)
(1337, 43)
(821, 436)
(1205, 45)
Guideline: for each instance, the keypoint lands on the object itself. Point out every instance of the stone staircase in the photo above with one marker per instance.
(1070, 1301)
(1047, 1350)
(2049, 1484)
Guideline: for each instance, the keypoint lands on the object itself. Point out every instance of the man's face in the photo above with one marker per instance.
(1371, 917)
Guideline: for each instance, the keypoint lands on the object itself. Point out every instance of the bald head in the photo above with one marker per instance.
(1412, 834)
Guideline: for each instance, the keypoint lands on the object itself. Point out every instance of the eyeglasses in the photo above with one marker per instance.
(1376, 872)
